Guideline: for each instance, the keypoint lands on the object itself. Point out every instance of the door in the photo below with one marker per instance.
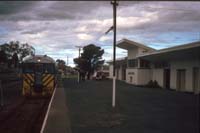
(123, 73)
(166, 78)
(117, 77)
(181, 80)
(38, 77)
(196, 80)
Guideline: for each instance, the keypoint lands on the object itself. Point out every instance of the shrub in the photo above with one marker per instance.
(153, 84)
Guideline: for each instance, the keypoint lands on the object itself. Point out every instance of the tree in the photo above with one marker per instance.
(15, 60)
(61, 64)
(15, 47)
(3, 57)
(90, 60)
(26, 49)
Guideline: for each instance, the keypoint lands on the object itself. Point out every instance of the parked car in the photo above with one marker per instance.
(99, 75)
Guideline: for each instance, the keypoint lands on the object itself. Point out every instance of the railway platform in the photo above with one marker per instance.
(57, 117)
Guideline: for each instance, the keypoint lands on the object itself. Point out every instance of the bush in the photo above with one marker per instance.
(150, 84)
(153, 84)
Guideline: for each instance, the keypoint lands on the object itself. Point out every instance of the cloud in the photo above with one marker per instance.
(85, 36)
(56, 27)
(104, 38)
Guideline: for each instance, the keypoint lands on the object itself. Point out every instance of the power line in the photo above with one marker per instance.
(79, 51)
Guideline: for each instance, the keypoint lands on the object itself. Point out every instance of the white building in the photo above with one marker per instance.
(175, 68)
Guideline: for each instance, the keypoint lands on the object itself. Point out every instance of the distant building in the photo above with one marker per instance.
(177, 67)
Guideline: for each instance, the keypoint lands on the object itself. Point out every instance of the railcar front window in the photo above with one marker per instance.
(28, 68)
(39, 68)
(49, 68)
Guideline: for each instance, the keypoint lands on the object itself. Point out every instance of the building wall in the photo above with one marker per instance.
(132, 53)
(142, 51)
(110, 71)
(144, 76)
(157, 74)
(131, 72)
(139, 76)
(188, 66)
(120, 73)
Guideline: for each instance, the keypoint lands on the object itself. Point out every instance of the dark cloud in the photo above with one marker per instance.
(13, 7)
(48, 10)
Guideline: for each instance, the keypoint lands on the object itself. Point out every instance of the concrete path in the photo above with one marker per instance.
(57, 120)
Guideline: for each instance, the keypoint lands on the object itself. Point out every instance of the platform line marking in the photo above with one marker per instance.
(47, 114)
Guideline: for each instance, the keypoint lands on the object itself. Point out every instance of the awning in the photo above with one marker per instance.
(128, 44)
(183, 52)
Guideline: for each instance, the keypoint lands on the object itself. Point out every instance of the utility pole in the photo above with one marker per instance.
(67, 60)
(2, 99)
(79, 52)
(67, 68)
(115, 4)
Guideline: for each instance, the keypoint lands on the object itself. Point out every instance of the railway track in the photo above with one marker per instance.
(26, 117)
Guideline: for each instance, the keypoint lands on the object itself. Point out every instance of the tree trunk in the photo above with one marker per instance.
(88, 75)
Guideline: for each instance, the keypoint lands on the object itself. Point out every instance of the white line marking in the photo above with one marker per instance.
(47, 113)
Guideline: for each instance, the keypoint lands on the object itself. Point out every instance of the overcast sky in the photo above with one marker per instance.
(56, 27)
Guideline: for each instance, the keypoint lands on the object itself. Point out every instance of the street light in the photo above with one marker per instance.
(67, 68)
(67, 60)
(115, 4)
(79, 50)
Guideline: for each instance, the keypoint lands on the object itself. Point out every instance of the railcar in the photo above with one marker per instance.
(38, 76)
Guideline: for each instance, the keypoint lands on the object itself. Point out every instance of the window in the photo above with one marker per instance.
(39, 68)
(133, 63)
(28, 68)
(144, 63)
(49, 68)
(161, 65)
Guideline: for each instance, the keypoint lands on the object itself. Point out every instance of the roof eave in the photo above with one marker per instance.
(121, 44)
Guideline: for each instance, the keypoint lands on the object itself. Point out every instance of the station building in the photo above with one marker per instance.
(176, 67)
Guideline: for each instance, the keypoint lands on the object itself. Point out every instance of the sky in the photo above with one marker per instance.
(55, 28)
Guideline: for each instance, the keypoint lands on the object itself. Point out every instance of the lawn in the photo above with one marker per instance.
(138, 110)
